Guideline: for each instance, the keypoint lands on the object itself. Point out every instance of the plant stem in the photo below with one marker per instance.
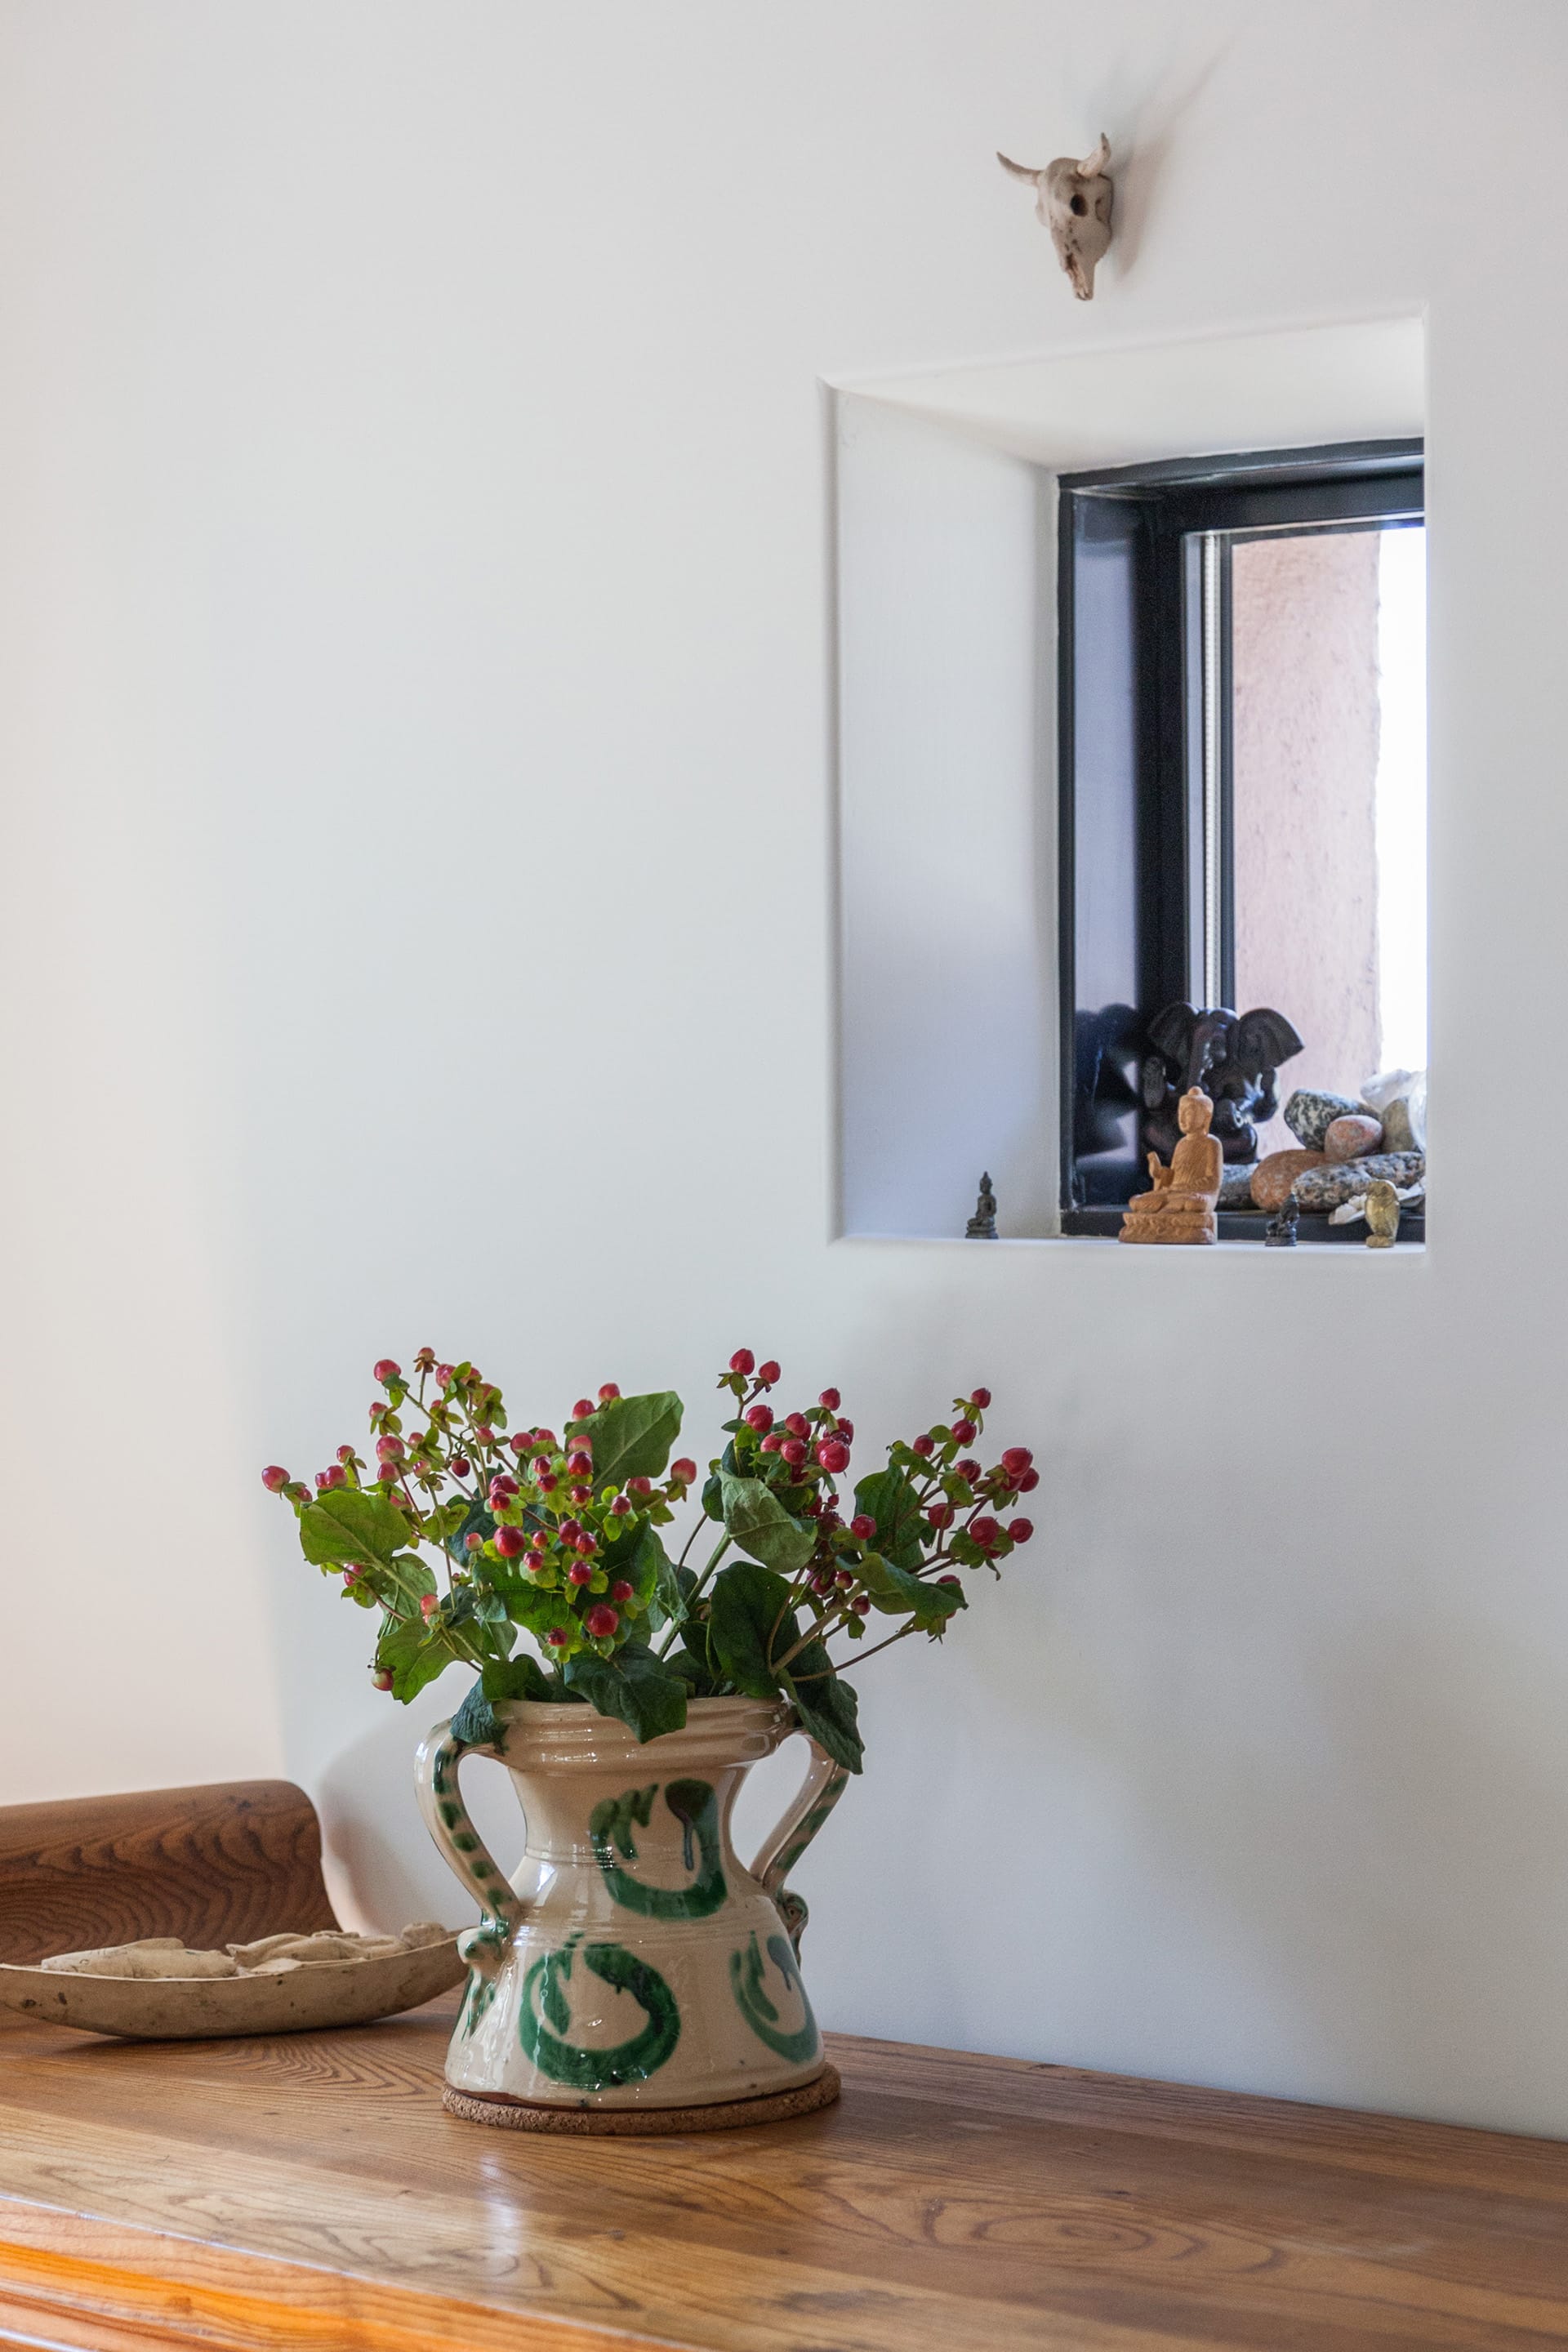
(691, 1597)
(839, 1665)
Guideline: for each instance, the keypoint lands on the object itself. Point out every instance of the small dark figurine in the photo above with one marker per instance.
(981, 1226)
(1280, 1233)
(1233, 1059)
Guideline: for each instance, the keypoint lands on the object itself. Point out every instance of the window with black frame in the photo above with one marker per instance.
(1242, 698)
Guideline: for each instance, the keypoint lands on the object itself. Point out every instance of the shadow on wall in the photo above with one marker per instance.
(381, 1868)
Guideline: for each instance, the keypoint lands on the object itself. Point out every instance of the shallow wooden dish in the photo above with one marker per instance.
(180, 2009)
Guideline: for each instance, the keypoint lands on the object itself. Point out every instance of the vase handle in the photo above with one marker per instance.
(824, 1784)
(486, 1947)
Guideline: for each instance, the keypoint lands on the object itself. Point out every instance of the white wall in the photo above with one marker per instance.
(416, 805)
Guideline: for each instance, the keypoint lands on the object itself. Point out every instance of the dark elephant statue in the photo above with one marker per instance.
(1232, 1056)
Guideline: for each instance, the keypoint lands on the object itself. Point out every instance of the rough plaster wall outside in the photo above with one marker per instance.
(1305, 716)
(416, 725)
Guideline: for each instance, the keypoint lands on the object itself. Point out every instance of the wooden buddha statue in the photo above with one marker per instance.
(1180, 1207)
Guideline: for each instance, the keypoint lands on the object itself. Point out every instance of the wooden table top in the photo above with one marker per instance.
(308, 2194)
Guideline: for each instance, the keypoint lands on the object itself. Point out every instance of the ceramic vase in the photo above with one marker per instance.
(632, 1959)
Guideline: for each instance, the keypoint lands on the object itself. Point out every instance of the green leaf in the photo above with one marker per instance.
(826, 1708)
(634, 1687)
(888, 1498)
(690, 1669)
(895, 1593)
(756, 1520)
(476, 1521)
(747, 1602)
(349, 1524)
(540, 1613)
(413, 1654)
(632, 1436)
(519, 1677)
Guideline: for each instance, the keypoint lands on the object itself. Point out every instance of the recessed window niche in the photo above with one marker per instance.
(949, 995)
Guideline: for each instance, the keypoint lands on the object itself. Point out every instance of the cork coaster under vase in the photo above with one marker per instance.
(646, 2123)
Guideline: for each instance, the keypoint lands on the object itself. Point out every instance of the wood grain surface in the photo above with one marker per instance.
(226, 1863)
(309, 2193)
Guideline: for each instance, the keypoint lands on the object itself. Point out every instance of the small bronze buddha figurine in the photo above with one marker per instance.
(1181, 1206)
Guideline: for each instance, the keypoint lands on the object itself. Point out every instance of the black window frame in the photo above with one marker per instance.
(1130, 811)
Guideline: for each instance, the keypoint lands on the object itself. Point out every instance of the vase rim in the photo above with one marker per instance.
(717, 1731)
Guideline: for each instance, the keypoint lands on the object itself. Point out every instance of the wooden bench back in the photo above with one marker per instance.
(213, 1865)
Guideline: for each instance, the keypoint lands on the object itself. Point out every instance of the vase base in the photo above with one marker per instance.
(646, 2123)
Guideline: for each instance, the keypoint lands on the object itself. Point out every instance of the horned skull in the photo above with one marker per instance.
(1073, 200)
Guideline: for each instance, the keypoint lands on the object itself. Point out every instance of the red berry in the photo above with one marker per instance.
(621, 1508)
(428, 1604)
(831, 1399)
(1029, 1482)
(963, 1433)
(833, 1454)
(545, 1439)
(771, 1442)
(940, 1514)
(579, 1461)
(382, 1679)
(347, 1454)
(275, 1478)
(336, 1475)
(968, 1468)
(742, 1362)
(861, 1605)
(502, 1488)
(685, 1470)
(980, 1399)
(607, 1391)
(386, 1371)
(601, 1623)
(485, 1433)
(1016, 1460)
(585, 1545)
(639, 1486)
(459, 1465)
(956, 1582)
(761, 1418)
(844, 1578)
(521, 1442)
(546, 1481)
(510, 1541)
(985, 1532)
(387, 1449)
(580, 1494)
(580, 1572)
(620, 1590)
(582, 1410)
(1020, 1529)
(446, 1374)
(797, 1424)
(768, 1373)
(571, 1529)
(557, 1637)
(792, 1449)
(922, 1445)
(846, 1432)
(473, 1540)
(863, 1528)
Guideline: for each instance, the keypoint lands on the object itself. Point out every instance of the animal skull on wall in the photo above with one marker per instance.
(1073, 200)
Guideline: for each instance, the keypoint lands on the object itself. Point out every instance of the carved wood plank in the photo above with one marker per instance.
(225, 1864)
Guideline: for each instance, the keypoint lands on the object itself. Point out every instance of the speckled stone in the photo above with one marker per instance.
(1236, 1186)
(1309, 1116)
(1353, 1137)
(1329, 1186)
(1273, 1179)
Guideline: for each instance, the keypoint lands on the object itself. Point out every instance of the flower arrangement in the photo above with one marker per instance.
(560, 1537)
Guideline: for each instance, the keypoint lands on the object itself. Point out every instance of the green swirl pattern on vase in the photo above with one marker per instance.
(542, 2035)
(694, 1805)
(759, 2011)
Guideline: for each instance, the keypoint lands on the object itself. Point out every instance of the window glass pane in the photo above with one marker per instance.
(1329, 798)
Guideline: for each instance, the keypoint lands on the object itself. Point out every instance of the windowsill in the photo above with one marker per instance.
(1226, 1246)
